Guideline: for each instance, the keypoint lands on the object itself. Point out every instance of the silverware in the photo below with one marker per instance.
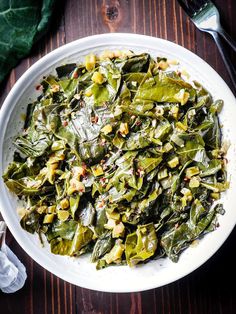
(205, 16)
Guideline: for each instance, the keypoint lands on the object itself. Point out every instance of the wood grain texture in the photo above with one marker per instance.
(211, 288)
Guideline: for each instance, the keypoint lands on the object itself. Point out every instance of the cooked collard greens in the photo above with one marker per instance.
(120, 157)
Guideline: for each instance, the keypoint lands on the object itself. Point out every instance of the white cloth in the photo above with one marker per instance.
(12, 271)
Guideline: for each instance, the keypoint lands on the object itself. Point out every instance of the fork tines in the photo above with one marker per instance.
(191, 7)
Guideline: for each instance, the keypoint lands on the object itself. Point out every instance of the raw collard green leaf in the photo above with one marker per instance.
(22, 24)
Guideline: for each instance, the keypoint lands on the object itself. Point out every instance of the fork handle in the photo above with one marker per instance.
(228, 63)
(227, 38)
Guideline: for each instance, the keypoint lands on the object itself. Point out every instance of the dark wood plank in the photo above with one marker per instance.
(211, 288)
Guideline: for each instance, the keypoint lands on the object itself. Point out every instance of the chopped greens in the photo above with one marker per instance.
(122, 158)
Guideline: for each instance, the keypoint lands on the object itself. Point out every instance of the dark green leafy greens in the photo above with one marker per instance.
(120, 157)
(22, 24)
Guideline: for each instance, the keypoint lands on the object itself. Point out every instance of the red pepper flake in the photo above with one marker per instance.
(138, 123)
(84, 165)
(84, 174)
(39, 87)
(103, 182)
(140, 172)
(65, 123)
(75, 75)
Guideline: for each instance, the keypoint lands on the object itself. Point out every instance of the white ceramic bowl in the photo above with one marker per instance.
(80, 271)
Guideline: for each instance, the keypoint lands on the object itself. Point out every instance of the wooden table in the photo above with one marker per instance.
(210, 289)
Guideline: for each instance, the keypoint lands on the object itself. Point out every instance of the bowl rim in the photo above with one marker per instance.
(57, 55)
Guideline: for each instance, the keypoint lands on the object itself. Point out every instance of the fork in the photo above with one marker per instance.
(205, 16)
